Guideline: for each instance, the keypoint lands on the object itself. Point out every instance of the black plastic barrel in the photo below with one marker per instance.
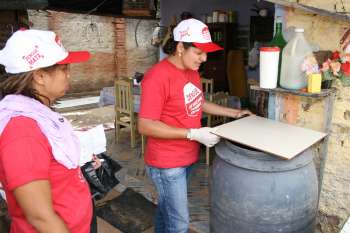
(255, 192)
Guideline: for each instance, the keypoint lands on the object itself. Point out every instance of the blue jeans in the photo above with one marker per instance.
(172, 211)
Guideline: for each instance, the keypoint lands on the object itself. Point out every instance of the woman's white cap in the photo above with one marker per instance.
(196, 32)
(28, 50)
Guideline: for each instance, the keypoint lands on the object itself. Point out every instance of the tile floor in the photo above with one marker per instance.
(133, 176)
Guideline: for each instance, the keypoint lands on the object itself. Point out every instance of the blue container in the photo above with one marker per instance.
(255, 192)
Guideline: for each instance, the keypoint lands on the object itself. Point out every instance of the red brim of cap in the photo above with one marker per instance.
(75, 57)
(208, 47)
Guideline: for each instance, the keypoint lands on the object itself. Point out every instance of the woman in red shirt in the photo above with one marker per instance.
(170, 116)
(39, 153)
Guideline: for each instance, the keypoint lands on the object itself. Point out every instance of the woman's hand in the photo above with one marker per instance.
(243, 113)
(96, 162)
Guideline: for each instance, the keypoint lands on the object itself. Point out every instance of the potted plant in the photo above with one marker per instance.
(336, 67)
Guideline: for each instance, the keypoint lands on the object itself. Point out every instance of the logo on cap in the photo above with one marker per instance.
(33, 56)
(185, 33)
(58, 41)
(206, 33)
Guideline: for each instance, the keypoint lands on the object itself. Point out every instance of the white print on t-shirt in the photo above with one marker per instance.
(193, 99)
(81, 176)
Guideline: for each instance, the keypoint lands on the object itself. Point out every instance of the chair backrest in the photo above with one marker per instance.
(219, 98)
(208, 88)
(124, 96)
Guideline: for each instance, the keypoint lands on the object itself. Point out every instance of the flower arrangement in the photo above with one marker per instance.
(310, 65)
(337, 67)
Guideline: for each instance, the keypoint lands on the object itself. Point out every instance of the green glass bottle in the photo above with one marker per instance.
(279, 41)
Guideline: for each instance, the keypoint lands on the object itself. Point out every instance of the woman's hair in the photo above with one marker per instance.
(170, 46)
(22, 84)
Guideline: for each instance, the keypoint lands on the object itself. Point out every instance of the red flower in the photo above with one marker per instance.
(335, 55)
(345, 67)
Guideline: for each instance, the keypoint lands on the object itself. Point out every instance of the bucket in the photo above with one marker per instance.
(254, 192)
(269, 57)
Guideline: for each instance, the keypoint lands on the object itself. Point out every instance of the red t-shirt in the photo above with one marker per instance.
(172, 96)
(25, 156)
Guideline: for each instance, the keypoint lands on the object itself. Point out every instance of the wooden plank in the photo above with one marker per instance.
(328, 113)
(276, 138)
(323, 93)
(336, 15)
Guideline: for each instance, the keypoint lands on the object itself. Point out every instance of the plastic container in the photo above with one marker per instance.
(314, 83)
(222, 17)
(269, 57)
(292, 77)
(255, 192)
(216, 16)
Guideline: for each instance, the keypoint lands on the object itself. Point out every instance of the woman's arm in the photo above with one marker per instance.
(35, 201)
(215, 109)
(158, 129)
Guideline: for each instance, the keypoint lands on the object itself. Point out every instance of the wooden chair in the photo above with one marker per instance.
(208, 90)
(124, 108)
(219, 98)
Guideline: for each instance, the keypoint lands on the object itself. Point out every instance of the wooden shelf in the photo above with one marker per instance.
(323, 93)
(336, 15)
(23, 5)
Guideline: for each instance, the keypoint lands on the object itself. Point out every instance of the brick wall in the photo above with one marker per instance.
(107, 39)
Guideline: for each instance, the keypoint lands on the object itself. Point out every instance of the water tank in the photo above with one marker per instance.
(255, 192)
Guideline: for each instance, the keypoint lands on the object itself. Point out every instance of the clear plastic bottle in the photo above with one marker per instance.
(292, 77)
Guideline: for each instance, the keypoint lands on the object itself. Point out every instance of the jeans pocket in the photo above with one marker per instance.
(173, 173)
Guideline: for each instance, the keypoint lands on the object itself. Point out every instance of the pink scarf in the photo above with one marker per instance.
(59, 132)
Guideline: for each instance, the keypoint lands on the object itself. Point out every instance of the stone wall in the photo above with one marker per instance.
(110, 40)
(140, 53)
(335, 193)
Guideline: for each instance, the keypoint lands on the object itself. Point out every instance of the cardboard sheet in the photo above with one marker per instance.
(270, 136)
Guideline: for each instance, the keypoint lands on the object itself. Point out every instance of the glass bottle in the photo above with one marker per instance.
(279, 41)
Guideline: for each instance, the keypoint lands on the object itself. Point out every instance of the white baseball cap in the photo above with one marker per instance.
(28, 50)
(196, 32)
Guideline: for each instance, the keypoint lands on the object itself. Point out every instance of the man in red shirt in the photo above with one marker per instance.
(170, 116)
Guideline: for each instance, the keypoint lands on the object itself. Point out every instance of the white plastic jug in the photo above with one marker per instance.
(292, 77)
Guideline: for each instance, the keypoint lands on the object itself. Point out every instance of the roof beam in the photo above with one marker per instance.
(23, 4)
(336, 15)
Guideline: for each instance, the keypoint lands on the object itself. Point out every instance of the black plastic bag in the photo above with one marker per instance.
(102, 179)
